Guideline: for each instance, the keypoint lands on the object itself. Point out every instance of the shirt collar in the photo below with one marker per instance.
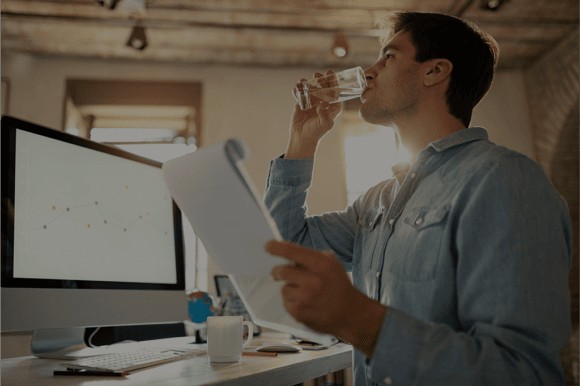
(400, 170)
(459, 137)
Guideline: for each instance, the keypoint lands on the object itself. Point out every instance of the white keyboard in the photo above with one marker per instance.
(131, 360)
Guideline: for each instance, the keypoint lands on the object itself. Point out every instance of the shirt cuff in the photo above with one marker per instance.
(395, 360)
(290, 172)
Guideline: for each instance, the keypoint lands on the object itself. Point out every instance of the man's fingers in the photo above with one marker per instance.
(303, 295)
(305, 259)
(299, 85)
(293, 252)
(332, 81)
(276, 273)
(287, 273)
(298, 303)
(326, 81)
(293, 275)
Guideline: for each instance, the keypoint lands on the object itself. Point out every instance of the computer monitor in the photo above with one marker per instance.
(233, 303)
(90, 237)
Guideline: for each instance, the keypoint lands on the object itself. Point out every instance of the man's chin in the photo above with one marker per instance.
(368, 114)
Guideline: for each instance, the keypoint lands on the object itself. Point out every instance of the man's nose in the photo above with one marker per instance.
(368, 76)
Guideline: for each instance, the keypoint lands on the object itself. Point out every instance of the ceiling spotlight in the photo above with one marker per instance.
(137, 39)
(492, 5)
(340, 45)
(111, 4)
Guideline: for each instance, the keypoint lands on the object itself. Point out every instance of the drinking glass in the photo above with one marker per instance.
(333, 88)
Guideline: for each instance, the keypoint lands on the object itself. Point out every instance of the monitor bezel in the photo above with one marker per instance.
(217, 280)
(9, 126)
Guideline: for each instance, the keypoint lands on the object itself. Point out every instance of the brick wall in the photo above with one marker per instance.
(552, 86)
(565, 168)
(552, 90)
(565, 179)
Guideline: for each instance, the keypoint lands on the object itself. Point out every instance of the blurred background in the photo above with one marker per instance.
(164, 77)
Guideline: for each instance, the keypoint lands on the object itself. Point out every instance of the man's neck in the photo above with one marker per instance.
(417, 134)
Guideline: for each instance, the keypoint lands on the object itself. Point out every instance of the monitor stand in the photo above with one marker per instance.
(69, 343)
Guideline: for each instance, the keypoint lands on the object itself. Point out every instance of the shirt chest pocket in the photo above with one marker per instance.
(412, 254)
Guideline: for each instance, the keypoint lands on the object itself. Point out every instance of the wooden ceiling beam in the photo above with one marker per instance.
(356, 21)
(353, 21)
(262, 32)
(94, 32)
(209, 46)
(538, 12)
(269, 6)
(459, 7)
(84, 35)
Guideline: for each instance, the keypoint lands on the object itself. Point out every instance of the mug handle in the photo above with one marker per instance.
(250, 332)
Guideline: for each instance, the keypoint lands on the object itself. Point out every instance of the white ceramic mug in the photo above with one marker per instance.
(224, 338)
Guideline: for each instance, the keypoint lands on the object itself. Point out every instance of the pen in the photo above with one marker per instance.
(259, 354)
(102, 373)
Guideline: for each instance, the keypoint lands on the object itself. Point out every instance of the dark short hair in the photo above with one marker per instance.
(473, 52)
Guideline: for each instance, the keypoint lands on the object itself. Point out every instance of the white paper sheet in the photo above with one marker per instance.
(223, 208)
(214, 191)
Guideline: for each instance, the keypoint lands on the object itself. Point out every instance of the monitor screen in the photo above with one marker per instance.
(88, 213)
(89, 223)
(225, 288)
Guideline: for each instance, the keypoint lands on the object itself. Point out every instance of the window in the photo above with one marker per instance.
(159, 120)
(370, 152)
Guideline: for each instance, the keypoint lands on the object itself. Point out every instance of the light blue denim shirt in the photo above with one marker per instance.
(469, 248)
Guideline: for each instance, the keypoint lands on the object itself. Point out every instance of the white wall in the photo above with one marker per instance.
(504, 112)
(254, 104)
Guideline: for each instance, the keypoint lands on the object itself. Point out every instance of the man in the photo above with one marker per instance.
(460, 263)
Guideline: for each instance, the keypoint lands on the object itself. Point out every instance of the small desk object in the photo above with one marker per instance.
(282, 369)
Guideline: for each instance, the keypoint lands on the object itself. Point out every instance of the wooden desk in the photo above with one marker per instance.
(285, 369)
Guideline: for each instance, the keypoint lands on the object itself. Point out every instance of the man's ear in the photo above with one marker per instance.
(437, 71)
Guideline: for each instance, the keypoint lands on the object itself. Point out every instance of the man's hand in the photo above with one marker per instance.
(317, 290)
(319, 294)
(309, 126)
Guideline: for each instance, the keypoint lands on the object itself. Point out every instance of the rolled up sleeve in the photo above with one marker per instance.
(285, 199)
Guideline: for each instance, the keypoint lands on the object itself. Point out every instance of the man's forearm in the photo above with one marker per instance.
(298, 149)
